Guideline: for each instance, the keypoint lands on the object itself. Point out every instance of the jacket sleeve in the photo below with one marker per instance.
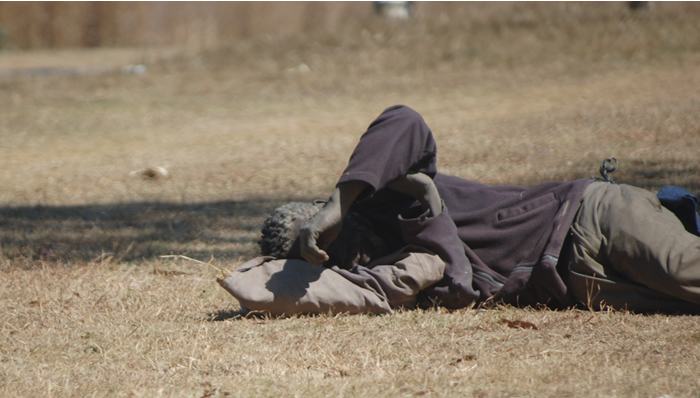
(396, 143)
(439, 235)
(400, 276)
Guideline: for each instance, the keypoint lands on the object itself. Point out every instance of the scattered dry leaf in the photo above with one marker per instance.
(519, 324)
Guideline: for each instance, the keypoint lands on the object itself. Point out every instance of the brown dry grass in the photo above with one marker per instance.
(515, 93)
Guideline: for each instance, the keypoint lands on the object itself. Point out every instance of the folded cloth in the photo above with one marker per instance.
(683, 204)
(290, 287)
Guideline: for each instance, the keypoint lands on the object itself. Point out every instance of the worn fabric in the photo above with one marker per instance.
(505, 241)
(551, 244)
(400, 276)
(683, 204)
(628, 251)
(290, 287)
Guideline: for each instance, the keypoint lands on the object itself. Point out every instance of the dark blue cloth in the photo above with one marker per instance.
(683, 204)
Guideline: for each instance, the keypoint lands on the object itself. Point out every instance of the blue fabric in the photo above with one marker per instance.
(683, 204)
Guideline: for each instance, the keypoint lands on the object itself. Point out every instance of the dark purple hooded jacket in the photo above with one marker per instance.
(499, 243)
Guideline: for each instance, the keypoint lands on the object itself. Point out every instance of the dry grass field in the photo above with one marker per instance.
(515, 93)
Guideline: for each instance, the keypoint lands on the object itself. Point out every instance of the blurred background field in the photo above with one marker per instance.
(250, 105)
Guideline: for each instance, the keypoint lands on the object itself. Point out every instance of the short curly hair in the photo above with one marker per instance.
(281, 228)
(357, 243)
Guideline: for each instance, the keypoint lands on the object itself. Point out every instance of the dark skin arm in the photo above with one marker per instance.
(421, 187)
(325, 226)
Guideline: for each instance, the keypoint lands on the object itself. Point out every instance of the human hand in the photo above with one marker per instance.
(320, 232)
(421, 187)
(325, 226)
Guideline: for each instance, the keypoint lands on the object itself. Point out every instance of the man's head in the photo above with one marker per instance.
(281, 229)
(356, 244)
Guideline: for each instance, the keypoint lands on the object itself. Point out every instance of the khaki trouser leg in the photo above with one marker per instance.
(629, 252)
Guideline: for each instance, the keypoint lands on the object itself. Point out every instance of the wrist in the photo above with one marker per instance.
(422, 188)
(346, 193)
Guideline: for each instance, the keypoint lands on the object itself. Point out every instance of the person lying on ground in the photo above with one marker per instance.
(586, 242)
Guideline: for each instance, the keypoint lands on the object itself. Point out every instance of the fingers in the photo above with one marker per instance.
(320, 231)
(421, 187)
(309, 247)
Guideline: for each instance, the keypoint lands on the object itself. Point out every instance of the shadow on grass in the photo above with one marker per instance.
(238, 315)
(224, 315)
(228, 230)
(653, 175)
(650, 175)
(133, 231)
